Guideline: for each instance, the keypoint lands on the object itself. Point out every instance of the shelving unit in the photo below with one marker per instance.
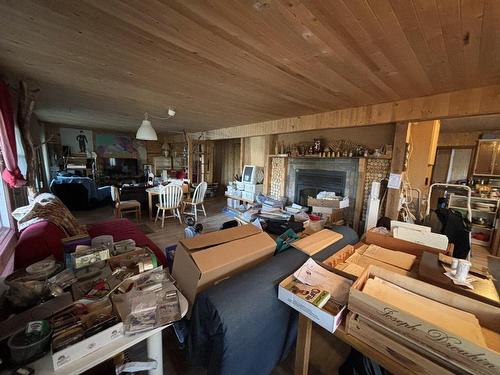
(239, 198)
(482, 209)
(78, 163)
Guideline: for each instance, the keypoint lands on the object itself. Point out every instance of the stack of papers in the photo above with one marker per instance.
(294, 208)
(313, 274)
(326, 195)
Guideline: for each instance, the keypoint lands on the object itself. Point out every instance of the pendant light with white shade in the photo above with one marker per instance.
(146, 132)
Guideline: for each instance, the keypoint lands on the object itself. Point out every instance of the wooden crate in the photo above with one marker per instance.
(329, 203)
(340, 256)
(338, 260)
(392, 243)
(424, 337)
(383, 341)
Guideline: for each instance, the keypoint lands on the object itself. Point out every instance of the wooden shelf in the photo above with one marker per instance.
(479, 242)
(239, 198)
(478, 213)
(473, 210)
(491, 215)
(478, 226)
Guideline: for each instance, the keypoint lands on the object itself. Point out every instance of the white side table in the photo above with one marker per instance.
(154, 346)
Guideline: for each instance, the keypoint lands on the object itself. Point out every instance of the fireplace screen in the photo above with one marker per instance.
(308, 183)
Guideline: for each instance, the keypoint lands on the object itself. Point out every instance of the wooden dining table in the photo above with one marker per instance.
(155, 190)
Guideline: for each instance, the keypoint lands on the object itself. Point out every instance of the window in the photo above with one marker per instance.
(21, 156)
(4, 209)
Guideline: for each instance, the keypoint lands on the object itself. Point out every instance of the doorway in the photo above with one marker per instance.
(452, 164)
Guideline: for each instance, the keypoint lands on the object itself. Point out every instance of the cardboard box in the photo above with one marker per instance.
(204, 260)
(87, 346)
(424, 337)
(253, 188)
(329, 203)
(248, 196)
(392, 243)
(233, 203)
(334, 214)
(322, 317)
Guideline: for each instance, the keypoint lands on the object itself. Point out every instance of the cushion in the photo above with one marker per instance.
(128, 204)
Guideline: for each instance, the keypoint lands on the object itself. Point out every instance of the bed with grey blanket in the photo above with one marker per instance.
(239, 326)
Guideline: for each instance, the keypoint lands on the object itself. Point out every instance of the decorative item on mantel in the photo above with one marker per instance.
(337, 148)
(317, 145)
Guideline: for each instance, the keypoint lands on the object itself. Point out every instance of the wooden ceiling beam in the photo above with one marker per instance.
(470, 102)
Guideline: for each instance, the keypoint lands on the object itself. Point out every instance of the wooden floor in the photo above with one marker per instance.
(479, 258)
(172, 231)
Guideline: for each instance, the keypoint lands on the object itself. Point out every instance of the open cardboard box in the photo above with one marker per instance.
(322, 317)
(204, 260)
(423, 336)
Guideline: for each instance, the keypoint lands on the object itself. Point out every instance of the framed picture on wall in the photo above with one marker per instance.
(115, 146)
(78, 140)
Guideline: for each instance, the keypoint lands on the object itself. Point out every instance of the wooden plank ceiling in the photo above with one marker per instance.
(224, 63)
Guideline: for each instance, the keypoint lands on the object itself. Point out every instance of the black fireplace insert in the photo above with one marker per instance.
(308, 183)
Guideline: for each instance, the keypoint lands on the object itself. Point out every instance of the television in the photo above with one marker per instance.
(119, 167)
(251, 174)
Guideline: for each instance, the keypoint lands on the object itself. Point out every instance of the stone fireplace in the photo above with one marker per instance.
(308, 176)
(296, 178)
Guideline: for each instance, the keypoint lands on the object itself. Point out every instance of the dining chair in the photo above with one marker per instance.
(170, 198)
(121, 207)
(197, 200)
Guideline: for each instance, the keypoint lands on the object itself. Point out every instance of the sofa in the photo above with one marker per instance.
(79, 193)
(239, 326)
(43, 239)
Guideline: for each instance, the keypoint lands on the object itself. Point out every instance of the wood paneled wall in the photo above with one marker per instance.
(423, 141)
(254, 151)
(226, 160)
(463, 139)
(470, 102)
